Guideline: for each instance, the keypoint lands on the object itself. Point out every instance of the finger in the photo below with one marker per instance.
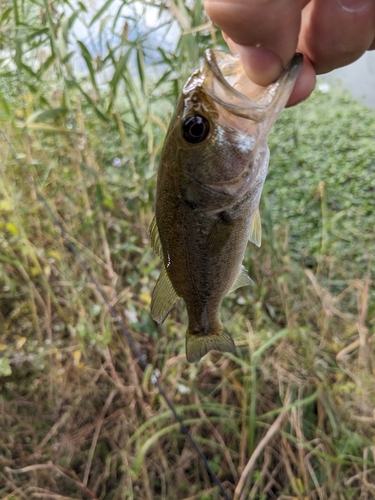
(266, 33)
(335, 33)
(305, 82)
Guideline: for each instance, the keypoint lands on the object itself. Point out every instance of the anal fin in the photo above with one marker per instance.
(243, 279)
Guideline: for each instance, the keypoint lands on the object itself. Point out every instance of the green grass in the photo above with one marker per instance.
(332, 194)
(292, 414)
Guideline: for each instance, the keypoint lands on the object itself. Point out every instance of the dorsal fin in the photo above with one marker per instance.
(243, 279)
(155, 238)
(163, 298)
(256, 229)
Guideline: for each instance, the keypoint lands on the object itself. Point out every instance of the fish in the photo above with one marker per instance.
(211, 173)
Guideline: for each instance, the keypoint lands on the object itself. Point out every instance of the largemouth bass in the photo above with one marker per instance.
(212, 170)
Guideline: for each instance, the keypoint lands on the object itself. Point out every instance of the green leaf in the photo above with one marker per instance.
(49, 128)
(91, 102)
(61, 42)
(5, 369)
(46, 114)
(88, 60)
(47, 63)
(5, 15)
(141, 69)
(101, 11)
(5, 105)
(120, 68)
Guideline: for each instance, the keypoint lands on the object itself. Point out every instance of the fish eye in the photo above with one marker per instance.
(195, 129)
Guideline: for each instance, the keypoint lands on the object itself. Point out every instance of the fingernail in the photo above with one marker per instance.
(262, 66)
(354, 5)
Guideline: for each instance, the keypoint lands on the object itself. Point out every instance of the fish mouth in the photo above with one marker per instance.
(240, 103)
(224, 80)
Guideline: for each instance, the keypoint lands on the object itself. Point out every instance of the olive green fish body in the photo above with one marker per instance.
(211, 174)
(202, 268)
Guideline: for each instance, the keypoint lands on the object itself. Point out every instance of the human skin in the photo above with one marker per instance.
(266, 34)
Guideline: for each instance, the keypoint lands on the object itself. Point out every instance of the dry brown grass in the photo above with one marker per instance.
(291, 417)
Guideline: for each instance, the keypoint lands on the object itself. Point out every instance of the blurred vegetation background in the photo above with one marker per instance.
(86, 95)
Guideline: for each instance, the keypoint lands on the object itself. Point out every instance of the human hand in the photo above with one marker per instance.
(266, 34)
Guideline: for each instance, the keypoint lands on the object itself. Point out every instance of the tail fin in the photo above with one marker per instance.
(199, 344)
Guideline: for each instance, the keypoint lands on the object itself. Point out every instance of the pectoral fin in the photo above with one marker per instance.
(219, 236)
(155, 238)
(163, 298)
(256, 229)
(243, 279)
